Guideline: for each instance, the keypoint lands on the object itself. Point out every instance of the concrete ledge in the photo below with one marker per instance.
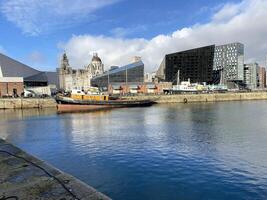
(21, 103)
(193, 98)
(23, 176)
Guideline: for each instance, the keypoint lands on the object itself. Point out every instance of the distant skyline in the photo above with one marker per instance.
(37, 32)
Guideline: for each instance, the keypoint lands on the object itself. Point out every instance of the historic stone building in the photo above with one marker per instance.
(80, 79)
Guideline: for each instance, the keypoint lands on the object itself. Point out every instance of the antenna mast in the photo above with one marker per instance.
(178, 77)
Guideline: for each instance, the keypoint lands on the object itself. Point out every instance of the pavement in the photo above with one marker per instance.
(24, 177)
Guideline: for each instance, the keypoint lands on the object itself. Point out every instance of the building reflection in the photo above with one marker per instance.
(13, 121)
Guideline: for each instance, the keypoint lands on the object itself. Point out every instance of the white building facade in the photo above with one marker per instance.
(79, 79)
(149, 77)
(229, 60)
(251, 77)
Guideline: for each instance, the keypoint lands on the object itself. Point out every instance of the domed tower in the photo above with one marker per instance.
(64, 61)
(63, 71)
(96, 66)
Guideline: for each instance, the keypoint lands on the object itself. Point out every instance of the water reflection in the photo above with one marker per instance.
(10, 114)
(193, 151)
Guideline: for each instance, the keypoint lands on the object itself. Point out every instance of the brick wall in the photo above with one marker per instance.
(8, 88)
(141, 88)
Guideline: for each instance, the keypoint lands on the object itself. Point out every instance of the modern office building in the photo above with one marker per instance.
(229, 62)
(211, 64)
(195, 64)
(132, 73)
(251, 75)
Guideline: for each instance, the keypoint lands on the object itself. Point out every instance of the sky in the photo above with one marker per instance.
(37, 32)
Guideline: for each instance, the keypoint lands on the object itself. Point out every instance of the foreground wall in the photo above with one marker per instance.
(191, 98)
(26, 177)
(20, 103)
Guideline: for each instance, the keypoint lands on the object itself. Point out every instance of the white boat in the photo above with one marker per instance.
(185, 86)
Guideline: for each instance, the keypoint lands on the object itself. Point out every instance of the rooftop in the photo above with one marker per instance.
(130, 66)
(190, 50)
(13, 68)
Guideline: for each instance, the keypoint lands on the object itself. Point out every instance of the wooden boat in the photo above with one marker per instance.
(79, 103)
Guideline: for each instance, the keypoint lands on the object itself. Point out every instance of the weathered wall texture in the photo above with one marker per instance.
(20, 103)
(26, 177)
(191, 98)
(8, 88)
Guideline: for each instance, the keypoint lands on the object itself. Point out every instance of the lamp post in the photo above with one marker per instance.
(126, 79)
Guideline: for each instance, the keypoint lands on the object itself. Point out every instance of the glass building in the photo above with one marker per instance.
(132, 73)
(229, 62)
(195, 64)
(212, 64)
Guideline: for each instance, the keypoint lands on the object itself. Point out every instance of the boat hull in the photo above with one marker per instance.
(71, 105)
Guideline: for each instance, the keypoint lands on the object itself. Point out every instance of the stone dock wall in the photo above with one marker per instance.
(21, 103)
(23, 176)
(193, 98)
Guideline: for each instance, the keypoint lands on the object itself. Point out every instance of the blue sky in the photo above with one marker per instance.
(36, 33)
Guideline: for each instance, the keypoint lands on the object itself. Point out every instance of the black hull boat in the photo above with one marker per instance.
(66, 104)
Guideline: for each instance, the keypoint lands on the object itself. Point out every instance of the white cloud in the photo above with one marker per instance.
(243, 22)
(113, 51)
(39, 16)
(123, 32)
(228, 11)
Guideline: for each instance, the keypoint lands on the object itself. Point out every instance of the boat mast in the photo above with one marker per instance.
(108, 78)
(178, 77)
(126, 78)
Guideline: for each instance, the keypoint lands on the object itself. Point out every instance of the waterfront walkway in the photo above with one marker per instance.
(197, 98)
(23, 177)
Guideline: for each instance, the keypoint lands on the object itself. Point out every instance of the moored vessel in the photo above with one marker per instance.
(78, 101)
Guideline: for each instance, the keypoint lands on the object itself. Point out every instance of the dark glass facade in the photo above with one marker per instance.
(127, 74)
(196, 64)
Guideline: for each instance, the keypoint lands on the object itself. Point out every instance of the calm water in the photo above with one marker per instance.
(197, 151)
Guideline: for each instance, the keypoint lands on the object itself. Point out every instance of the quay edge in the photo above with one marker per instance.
(23, 176)
(198, 98)
(20, 103)
(24, 103)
